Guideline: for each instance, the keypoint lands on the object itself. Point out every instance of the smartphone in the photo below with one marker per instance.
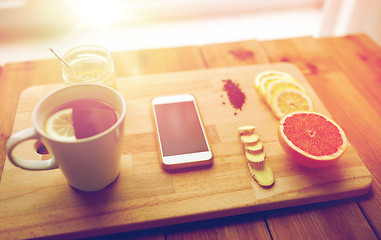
(180, 133)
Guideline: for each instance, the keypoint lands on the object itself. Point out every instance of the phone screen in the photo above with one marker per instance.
(180, 129)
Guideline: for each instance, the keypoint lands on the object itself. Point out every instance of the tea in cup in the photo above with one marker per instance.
(82, 127)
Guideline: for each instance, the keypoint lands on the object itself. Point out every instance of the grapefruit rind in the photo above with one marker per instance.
(304, 158)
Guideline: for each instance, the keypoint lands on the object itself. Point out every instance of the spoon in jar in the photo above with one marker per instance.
(51, 49)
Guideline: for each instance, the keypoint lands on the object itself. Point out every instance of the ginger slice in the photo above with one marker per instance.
(246, 130)
(256, 160)
(256, 157)
(249, 140)
(255, 149)
(264, 176)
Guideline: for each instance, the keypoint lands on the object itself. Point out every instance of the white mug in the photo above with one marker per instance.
(89, 164)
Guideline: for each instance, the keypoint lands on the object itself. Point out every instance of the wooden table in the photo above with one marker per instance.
(345, 72)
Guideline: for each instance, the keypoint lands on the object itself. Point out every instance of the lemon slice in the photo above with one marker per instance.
(274, 86)
(290, 100)
(268, 80)
(60, 125)
(269, 73)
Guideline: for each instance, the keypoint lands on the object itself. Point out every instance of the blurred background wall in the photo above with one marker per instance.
(29, 27)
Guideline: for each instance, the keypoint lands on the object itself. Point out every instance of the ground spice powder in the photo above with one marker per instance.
(236, 96)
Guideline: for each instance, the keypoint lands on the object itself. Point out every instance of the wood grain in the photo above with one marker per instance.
(296, 223)
(233, 54)
(151, 61)
(350, 62)
(312, 59)
(340, 97)
(144, 195)
(363, 73)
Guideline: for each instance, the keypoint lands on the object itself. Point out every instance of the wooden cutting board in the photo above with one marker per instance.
(40, 203)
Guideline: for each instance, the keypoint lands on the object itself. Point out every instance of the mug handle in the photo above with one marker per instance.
(19, 137)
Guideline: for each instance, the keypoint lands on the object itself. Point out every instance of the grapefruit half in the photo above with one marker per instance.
(311, 139)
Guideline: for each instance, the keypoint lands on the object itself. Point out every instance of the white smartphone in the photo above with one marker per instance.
(180, 132)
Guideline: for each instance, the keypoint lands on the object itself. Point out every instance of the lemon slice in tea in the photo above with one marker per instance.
(60, 125)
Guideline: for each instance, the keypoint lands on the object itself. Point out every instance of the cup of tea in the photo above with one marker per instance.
(82, 127)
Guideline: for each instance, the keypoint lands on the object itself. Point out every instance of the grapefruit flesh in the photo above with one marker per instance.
(311, 139)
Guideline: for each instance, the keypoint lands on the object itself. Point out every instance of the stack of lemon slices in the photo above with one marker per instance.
(282, 92)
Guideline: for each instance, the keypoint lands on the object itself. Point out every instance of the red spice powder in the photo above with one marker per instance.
(236, 96)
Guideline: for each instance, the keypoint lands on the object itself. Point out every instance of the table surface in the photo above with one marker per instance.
(345, 72)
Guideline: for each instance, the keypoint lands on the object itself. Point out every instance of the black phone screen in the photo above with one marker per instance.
(179, 128)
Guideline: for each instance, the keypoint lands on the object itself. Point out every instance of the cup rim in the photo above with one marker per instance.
(41, 132)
